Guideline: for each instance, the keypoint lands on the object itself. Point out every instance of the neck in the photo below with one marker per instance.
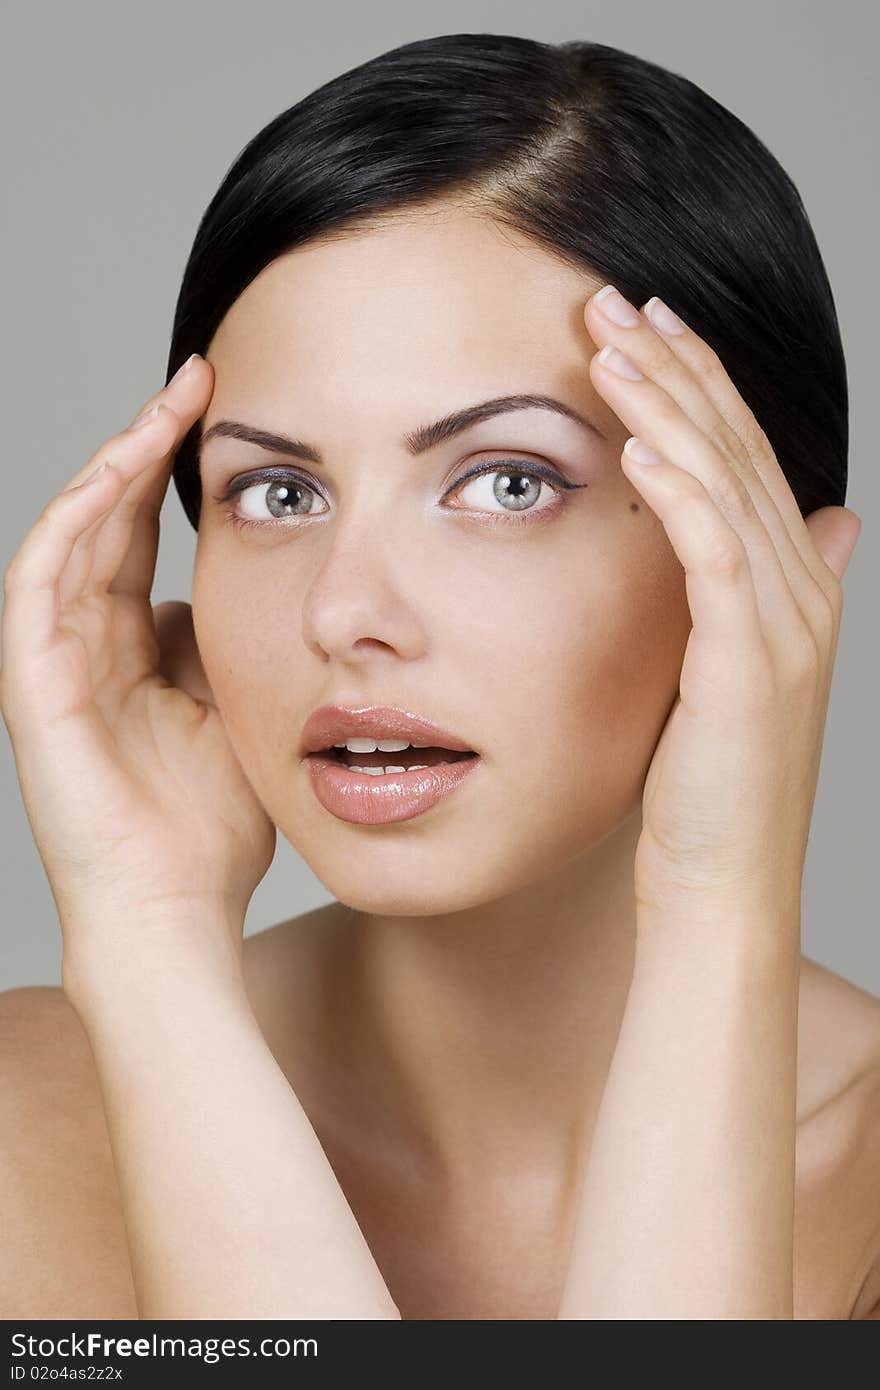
(487, 1034)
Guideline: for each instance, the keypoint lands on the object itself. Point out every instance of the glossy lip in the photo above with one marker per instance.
(363, 799)
(335, 723)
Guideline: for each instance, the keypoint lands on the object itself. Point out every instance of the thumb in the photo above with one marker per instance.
(834, 532)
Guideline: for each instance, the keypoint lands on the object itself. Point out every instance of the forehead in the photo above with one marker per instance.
(448, 293)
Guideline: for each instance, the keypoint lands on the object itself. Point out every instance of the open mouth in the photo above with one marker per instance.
(406, 758)
(387, 785)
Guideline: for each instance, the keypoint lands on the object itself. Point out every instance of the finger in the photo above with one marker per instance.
(131, 453)
(134, 450)
(705, 364)
(129, 565)
(46, 570)
(161, 396)
(655, 418)
(118, 554)
(691, 373)
(727, 648)
(32, 605)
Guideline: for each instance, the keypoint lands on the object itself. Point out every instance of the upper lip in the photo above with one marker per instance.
(335, 724)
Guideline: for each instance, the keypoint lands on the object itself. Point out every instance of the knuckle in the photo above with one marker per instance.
(729, 560)
(708, 363)
(727, 555)
(821, 601)
(732, 496)
(654, 355)
(828, 604)
(834, 599)
(726, 440)
(824, 614)
(51, 510)
(47, 517)
(754, 437)
(690, 489)
(713, 372)
(831, 589)
(803, 655)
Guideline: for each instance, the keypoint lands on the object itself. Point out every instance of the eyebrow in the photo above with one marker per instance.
(418, 442)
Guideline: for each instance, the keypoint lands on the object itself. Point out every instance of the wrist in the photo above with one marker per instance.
(128, 955)
(722, 932)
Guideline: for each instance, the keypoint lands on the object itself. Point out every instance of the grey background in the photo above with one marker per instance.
(117, 126)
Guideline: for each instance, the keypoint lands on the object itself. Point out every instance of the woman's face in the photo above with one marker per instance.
(549, 637)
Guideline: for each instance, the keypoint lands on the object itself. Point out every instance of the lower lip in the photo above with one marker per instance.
(363, 799)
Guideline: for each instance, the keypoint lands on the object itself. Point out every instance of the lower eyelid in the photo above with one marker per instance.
(555, 484)
(554, 481)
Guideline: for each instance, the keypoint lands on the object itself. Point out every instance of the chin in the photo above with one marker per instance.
(412, 881)
(414, 870)
(405, 894)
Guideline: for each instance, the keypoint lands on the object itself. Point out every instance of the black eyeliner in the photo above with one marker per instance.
(489, 466)
(266, 475)
(539, 470)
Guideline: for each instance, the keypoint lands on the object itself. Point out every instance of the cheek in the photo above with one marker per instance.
(591, 671)
(243, 657)
(560, 660)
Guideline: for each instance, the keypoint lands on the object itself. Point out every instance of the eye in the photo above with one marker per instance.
(284, 495)
(516, 487)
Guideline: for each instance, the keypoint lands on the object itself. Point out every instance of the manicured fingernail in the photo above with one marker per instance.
(185, 368)
(616, 308)
(662, 316)
(96, 472)
(610, 357)
(146, 419)
(641, 452)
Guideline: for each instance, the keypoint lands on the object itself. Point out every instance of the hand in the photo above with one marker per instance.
(729, 794)
(134, 794)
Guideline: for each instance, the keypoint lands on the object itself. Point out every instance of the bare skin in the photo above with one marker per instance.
(491, 1240)
(479, 1248)
(449, 1035)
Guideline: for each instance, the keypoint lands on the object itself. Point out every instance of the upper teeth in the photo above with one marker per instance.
(383, 745)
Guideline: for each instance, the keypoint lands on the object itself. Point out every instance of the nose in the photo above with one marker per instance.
(363, 596)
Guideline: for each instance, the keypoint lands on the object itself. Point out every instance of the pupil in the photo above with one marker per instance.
(522, 485)
(285, 491)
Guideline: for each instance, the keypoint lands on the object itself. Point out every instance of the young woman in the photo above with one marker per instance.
(553, 1049)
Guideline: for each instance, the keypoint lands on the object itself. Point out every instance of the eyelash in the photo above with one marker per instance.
(538, 471)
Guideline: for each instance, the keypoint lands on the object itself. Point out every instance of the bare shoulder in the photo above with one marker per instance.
(837, 1235)
(64, 1252)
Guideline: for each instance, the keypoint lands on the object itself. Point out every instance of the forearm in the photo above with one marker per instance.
(231, 1207)
(687, 1209)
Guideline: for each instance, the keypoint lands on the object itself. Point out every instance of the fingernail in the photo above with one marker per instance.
(146, 419)
(94, 474)
(662, 316)
(616, 308)
(185, 368)
(640, 451)
(621, 365)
